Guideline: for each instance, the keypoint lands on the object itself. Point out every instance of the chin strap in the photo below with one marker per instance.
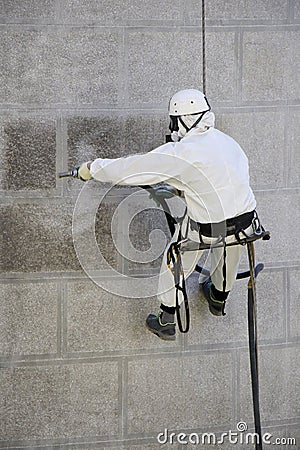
(195, 123)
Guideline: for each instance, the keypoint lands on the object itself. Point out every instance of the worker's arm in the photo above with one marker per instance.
(154, 167)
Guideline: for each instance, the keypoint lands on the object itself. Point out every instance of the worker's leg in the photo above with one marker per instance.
(232, 260)
(166, 287)
(163, 325)
(224, 268)
(216, 288)
(223, 275)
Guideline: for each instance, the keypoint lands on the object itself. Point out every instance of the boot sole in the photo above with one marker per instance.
(164, 337)
(214, 311)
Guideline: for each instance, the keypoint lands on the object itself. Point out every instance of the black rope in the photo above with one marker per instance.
(203, 49)
(253, 344)
(174, 258)
(224, 266)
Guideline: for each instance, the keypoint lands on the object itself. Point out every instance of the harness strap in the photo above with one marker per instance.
(227, 227)
(224, 266)
(173, 255)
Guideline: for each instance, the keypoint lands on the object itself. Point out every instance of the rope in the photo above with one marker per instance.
(253, 343)
(203, 49)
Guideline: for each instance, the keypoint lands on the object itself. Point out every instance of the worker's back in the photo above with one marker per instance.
(214, 176)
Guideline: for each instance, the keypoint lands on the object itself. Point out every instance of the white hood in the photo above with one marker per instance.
(207, 121)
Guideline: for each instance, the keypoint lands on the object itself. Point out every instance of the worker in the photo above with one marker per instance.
(210, 170)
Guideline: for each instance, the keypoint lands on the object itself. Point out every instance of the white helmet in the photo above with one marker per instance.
(188, 101)
(182, 107)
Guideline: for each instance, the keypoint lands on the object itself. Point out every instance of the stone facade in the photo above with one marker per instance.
(78, 369)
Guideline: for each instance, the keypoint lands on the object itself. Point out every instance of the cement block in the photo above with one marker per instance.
(94, 67)
(189, 381)
(220, 66)
(23, 56)
(99, 228)
(92, 76)
(140, 446)
(279, 212)
(143, 286)
(28, 153)
(59, 66)
(72, 400)
(270, 288)
(208, 330)
(293, 433)
(148, 234)
(157, 67)
(120, 11)
(293, 143)
(144, 132)
(123, 446)
(33, 9)
(220, 443)
(269, 66)
(261, 136)
(223, 10)
(296, 10)
(114, 136)
(294, 309)
(28, 319)
(38, 238)
(91, 137)
(94, 137)
(94, 313)
(44, 237)
(105, 233)
(279, 383)
(144, 231)
(188, 441)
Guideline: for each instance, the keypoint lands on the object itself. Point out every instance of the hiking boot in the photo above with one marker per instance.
(216, 307)
(165, 331)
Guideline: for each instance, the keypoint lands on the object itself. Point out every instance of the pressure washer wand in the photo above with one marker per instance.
(71, 173)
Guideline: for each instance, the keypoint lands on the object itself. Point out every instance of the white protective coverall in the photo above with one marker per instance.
(211, 170)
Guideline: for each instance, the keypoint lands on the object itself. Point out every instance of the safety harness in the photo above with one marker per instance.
(235, 226)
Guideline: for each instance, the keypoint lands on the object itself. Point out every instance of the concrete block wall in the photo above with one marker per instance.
(84, 79)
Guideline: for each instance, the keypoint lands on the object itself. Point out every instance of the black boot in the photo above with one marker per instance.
(162, 324)
(216, 306)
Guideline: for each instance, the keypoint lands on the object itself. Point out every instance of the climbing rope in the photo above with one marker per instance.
(203, 49)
